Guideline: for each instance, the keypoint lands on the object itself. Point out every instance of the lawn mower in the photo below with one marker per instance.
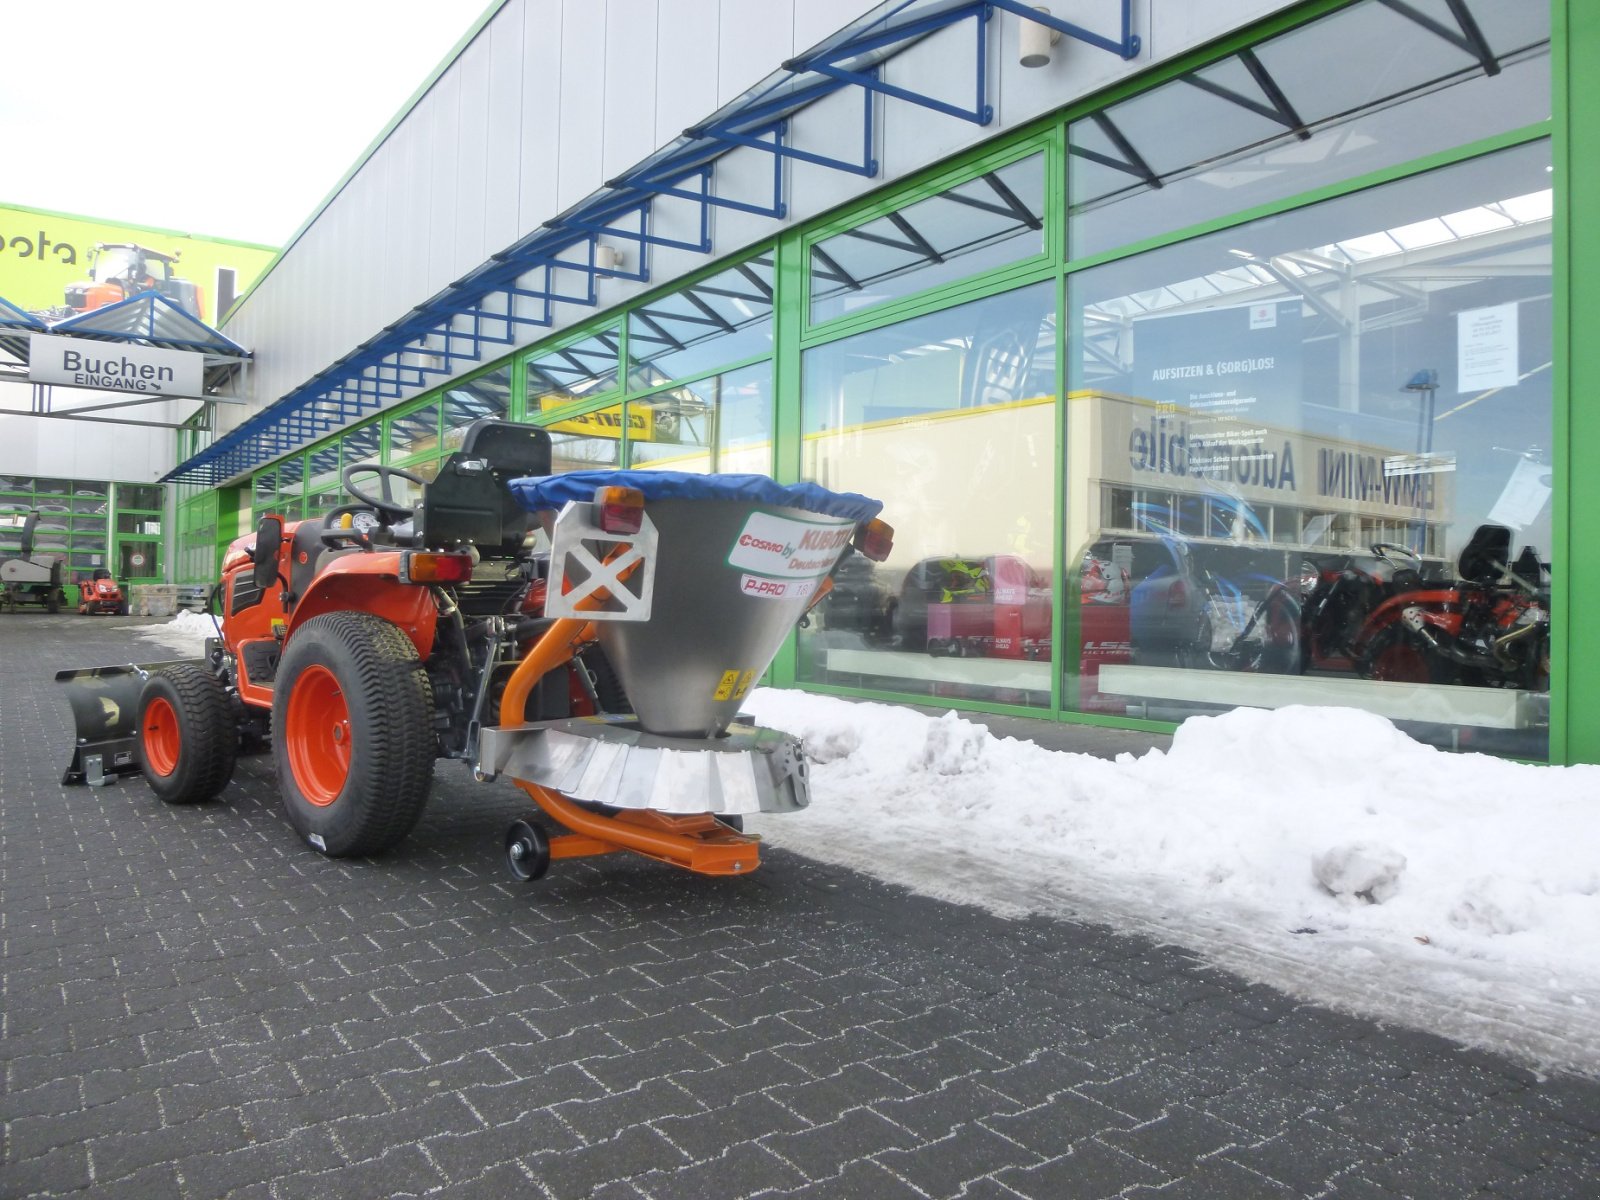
(100, 594)
(597, 656)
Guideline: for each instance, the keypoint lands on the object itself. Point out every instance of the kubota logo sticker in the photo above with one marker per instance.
(788, 549)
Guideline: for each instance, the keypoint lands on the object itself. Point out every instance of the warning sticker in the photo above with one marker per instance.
(788, 549)
(745, 681)
(725, 685)
(776, 589)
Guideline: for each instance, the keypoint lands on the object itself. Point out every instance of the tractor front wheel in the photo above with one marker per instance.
(188, 739)
(352, 733)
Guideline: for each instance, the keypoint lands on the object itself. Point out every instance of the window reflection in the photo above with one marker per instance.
(986, 222)
(1286, 437)
(719, 424)
(486, 396)
(1274, 121)
(719, 320)
(948, 419)
(583, 369)
(414, 433)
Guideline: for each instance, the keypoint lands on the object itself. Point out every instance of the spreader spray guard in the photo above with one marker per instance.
(604, 676)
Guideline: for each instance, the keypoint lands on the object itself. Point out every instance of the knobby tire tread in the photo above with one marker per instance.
(392, 792)
(209, 748)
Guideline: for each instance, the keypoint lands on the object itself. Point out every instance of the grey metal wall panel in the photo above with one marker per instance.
(686, 66)
(442, 119)
(815, 20)
(503, 176)
(540, 140)
(581, 93)
(472, 162)
(753, 40)
(630, 97)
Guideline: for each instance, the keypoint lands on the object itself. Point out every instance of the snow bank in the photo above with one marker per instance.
(1318, 850)
(186, 633)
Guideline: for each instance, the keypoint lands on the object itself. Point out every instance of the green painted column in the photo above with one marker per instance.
(1575, 686)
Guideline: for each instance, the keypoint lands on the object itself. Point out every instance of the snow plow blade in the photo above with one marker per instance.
(105, 712)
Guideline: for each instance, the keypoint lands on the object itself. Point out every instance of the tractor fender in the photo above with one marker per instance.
(371, 583)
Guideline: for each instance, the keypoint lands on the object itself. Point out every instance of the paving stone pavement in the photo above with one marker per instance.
(193, 1004)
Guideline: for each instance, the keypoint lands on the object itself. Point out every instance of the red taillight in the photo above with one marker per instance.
(1178, 596)
(621, 509)
(873, 539)
(416, 567)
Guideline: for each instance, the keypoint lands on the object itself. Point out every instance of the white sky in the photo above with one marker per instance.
(229, 118)
(1255, 841)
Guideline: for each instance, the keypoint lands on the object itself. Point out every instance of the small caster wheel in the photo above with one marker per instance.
(527, 850)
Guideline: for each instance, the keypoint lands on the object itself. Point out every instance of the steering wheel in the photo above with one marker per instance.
(384, 503)
(332, 534)
(1381, 549)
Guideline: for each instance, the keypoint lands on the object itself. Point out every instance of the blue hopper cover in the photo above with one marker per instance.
(539, 492)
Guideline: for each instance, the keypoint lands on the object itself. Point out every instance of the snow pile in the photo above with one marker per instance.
(186, 633)
(1319, 850)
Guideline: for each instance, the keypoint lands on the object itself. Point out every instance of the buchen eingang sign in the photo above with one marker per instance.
(107, 367)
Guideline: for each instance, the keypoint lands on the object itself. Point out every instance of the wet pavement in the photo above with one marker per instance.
(195, 1004)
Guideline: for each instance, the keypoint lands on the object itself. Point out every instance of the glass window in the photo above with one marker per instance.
(132, 495)
(291, 486)
(576, 372)
(1275, 121)
(414, 433)
(576, 447)
(1280, 432)
(995, 219)
(719, 424)
(719, 320)
(486, 396)
(361, 445)
(139, 523)
(322, 485)
(949, 419)
(264, 491)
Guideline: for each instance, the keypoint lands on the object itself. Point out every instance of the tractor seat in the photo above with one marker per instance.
(1484, 558)
(469, 501)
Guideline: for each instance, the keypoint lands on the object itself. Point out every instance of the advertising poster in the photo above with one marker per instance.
(55, 265)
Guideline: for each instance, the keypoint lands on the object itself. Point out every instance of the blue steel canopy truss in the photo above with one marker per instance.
(482, 313)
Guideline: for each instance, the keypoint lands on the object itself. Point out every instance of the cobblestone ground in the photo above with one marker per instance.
(196, 1005)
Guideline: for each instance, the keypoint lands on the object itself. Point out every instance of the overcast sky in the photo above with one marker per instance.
(230, 118)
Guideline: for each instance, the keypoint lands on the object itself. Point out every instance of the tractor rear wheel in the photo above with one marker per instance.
(352, 733)
(188, 739)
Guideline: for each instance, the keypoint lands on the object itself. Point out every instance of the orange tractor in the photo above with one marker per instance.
(100, 594)
(118, 270)
(601, 670)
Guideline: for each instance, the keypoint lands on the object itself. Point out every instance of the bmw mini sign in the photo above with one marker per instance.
(113, 367)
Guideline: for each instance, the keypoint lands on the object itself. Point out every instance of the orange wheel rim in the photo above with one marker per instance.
(317, 736)
(162, 739)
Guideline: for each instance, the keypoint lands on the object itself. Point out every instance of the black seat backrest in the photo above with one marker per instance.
(1484, 558)
(511, 449)
(27, 534)
(470, 501)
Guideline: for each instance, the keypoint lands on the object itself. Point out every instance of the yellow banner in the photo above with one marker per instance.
(44, 255)
(603, 422)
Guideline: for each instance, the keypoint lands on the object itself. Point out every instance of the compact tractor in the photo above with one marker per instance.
(590, 636)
